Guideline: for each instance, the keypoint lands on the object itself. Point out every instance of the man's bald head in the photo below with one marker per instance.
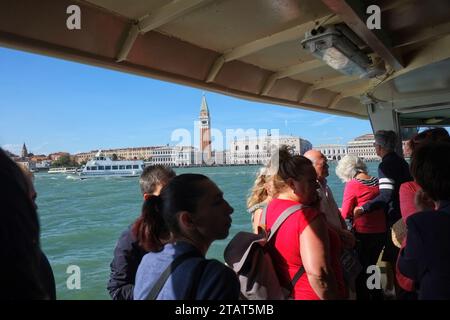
(319, 162)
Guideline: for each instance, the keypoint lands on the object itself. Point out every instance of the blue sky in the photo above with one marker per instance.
(56, 105)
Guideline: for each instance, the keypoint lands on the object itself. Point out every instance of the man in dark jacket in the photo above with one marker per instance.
(392, 172)
(128, 253)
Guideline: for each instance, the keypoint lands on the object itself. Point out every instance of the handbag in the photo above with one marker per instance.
(398, 233)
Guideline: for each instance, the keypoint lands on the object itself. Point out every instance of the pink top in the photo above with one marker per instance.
(407, 193)
(356, 194)
(286, 251)
(407, 208)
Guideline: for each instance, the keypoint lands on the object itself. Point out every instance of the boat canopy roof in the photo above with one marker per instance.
(252, 49)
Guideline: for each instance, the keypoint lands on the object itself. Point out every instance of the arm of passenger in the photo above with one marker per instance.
(120, 286)
(256, 220)
(386, 185)
(380, 201)
(408, 260)
(348, 202)
(315, 253)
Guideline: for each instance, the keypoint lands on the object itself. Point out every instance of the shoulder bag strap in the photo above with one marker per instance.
(171, 268)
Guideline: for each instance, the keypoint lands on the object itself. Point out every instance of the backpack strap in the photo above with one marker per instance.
(262, 218)
(280, 220)
(297, 276)
(171, 268)
(283, 216)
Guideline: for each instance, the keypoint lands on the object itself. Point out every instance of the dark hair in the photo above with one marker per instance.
(19, 235)
(430, 167)
(291, 166)
(430, 135)
(159, 213)
(153, 175)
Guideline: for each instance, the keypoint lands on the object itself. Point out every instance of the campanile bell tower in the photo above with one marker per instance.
(205, 131)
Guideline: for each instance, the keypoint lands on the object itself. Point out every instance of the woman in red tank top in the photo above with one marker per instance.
(304, 238)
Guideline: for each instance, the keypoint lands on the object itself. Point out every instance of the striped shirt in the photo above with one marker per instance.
(392, 172)
(372, 182)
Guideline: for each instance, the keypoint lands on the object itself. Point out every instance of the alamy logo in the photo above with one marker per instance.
(74, 280)
(374, 20)
(73, 22)
(374, 280)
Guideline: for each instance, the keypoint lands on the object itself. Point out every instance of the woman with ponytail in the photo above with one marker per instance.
(196, 214)
(140, 237)
(303, 241)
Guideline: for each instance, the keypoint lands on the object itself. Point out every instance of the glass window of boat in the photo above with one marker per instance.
(128, 166)
(121, 167)
(115, 167)
(101, 167)
(93, 168)
(88, 168)
(107, 167)
(135, 166)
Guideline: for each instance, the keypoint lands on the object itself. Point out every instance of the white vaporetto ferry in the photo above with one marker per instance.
(102, 166)
(62, 170)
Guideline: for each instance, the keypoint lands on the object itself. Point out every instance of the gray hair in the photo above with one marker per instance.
(349, 167)
(387, 139)
(153, 175)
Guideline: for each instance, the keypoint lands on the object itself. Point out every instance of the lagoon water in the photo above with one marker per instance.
(81, 220)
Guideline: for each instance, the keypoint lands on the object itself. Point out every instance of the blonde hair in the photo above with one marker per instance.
(349, 167)
(258, 193)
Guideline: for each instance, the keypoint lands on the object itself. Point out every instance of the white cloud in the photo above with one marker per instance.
(39, 148)
(322, 122)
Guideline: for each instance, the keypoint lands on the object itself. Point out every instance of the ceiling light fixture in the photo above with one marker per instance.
(333, 45)
(434, 120)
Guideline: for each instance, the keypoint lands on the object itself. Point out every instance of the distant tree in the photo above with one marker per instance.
(114, 157)
(64, 161)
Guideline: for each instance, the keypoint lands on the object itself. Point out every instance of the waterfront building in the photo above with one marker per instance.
(363, 147)
(220, 157)
(26, 164)
(205, 132)
(43, 165)
(258, 150)
(57, 155)
(178, 156)
(136, 153)
(332, 151)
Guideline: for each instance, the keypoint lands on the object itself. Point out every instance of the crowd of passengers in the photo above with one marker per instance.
(400, 217)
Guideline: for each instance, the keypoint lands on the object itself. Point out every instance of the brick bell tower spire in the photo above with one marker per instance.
(205, 131)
